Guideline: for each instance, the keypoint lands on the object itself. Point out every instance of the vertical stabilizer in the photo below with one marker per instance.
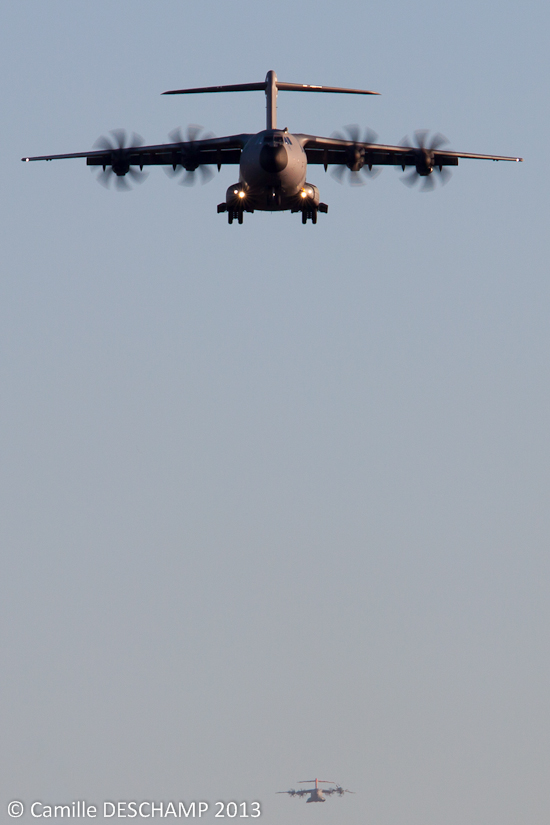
(271, 100)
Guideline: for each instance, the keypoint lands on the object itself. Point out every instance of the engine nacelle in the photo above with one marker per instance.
(425, 162)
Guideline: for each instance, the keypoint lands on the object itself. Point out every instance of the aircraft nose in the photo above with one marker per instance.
(273, 158)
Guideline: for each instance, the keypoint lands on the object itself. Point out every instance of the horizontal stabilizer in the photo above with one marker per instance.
(302, 87)
(271, 80)
(238, 87)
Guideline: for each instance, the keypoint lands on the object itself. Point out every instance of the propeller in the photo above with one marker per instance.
(358, 160)
(186, 163)
(119, 144)
(425, 160)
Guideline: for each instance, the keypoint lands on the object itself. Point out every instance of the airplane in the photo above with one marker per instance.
(273, 162)
(317, 794)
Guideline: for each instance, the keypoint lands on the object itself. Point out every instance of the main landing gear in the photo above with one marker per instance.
(236, 212)
(233, 212)
(309, 212)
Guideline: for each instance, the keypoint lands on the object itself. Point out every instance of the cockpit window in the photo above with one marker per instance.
(273, 140)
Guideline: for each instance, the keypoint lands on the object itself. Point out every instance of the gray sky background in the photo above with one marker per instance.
(274, 497)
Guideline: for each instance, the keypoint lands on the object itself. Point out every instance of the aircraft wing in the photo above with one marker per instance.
(339, 790)
(187, 153)
(329, 151)
(300, 792)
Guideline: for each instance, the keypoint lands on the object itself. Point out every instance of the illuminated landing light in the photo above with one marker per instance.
(303, 193)
(27, 159)
(235, 191)
(241, 194)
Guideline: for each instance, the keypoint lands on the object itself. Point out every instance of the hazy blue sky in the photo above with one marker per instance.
(275, 499)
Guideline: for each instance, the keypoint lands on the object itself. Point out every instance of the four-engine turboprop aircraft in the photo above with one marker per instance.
(317, 794)
(272, 163)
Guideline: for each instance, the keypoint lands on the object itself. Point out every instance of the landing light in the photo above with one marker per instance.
(241, 194)
(303, 193)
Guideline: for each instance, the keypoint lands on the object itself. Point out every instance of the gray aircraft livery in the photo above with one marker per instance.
(317, 794)
(272, 163)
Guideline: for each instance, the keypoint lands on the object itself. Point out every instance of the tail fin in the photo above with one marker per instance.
(270, 85)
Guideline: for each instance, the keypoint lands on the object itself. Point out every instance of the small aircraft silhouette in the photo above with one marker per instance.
(317, 794)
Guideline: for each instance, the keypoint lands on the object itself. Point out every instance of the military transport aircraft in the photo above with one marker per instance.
(317, 794)
(272, 163)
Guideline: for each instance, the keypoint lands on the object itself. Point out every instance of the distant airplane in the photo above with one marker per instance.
(317, 794)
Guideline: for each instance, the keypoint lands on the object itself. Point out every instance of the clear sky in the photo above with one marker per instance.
(275, 498)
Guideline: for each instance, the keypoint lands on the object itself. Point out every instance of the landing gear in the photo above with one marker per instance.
(309, 212)
(232, 212)
(308, 208)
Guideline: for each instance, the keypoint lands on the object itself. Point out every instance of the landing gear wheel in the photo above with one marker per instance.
(309, 212)
(233, 213)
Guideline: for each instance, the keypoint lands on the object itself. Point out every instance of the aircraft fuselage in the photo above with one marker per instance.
(274, 158)
(272, 176)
